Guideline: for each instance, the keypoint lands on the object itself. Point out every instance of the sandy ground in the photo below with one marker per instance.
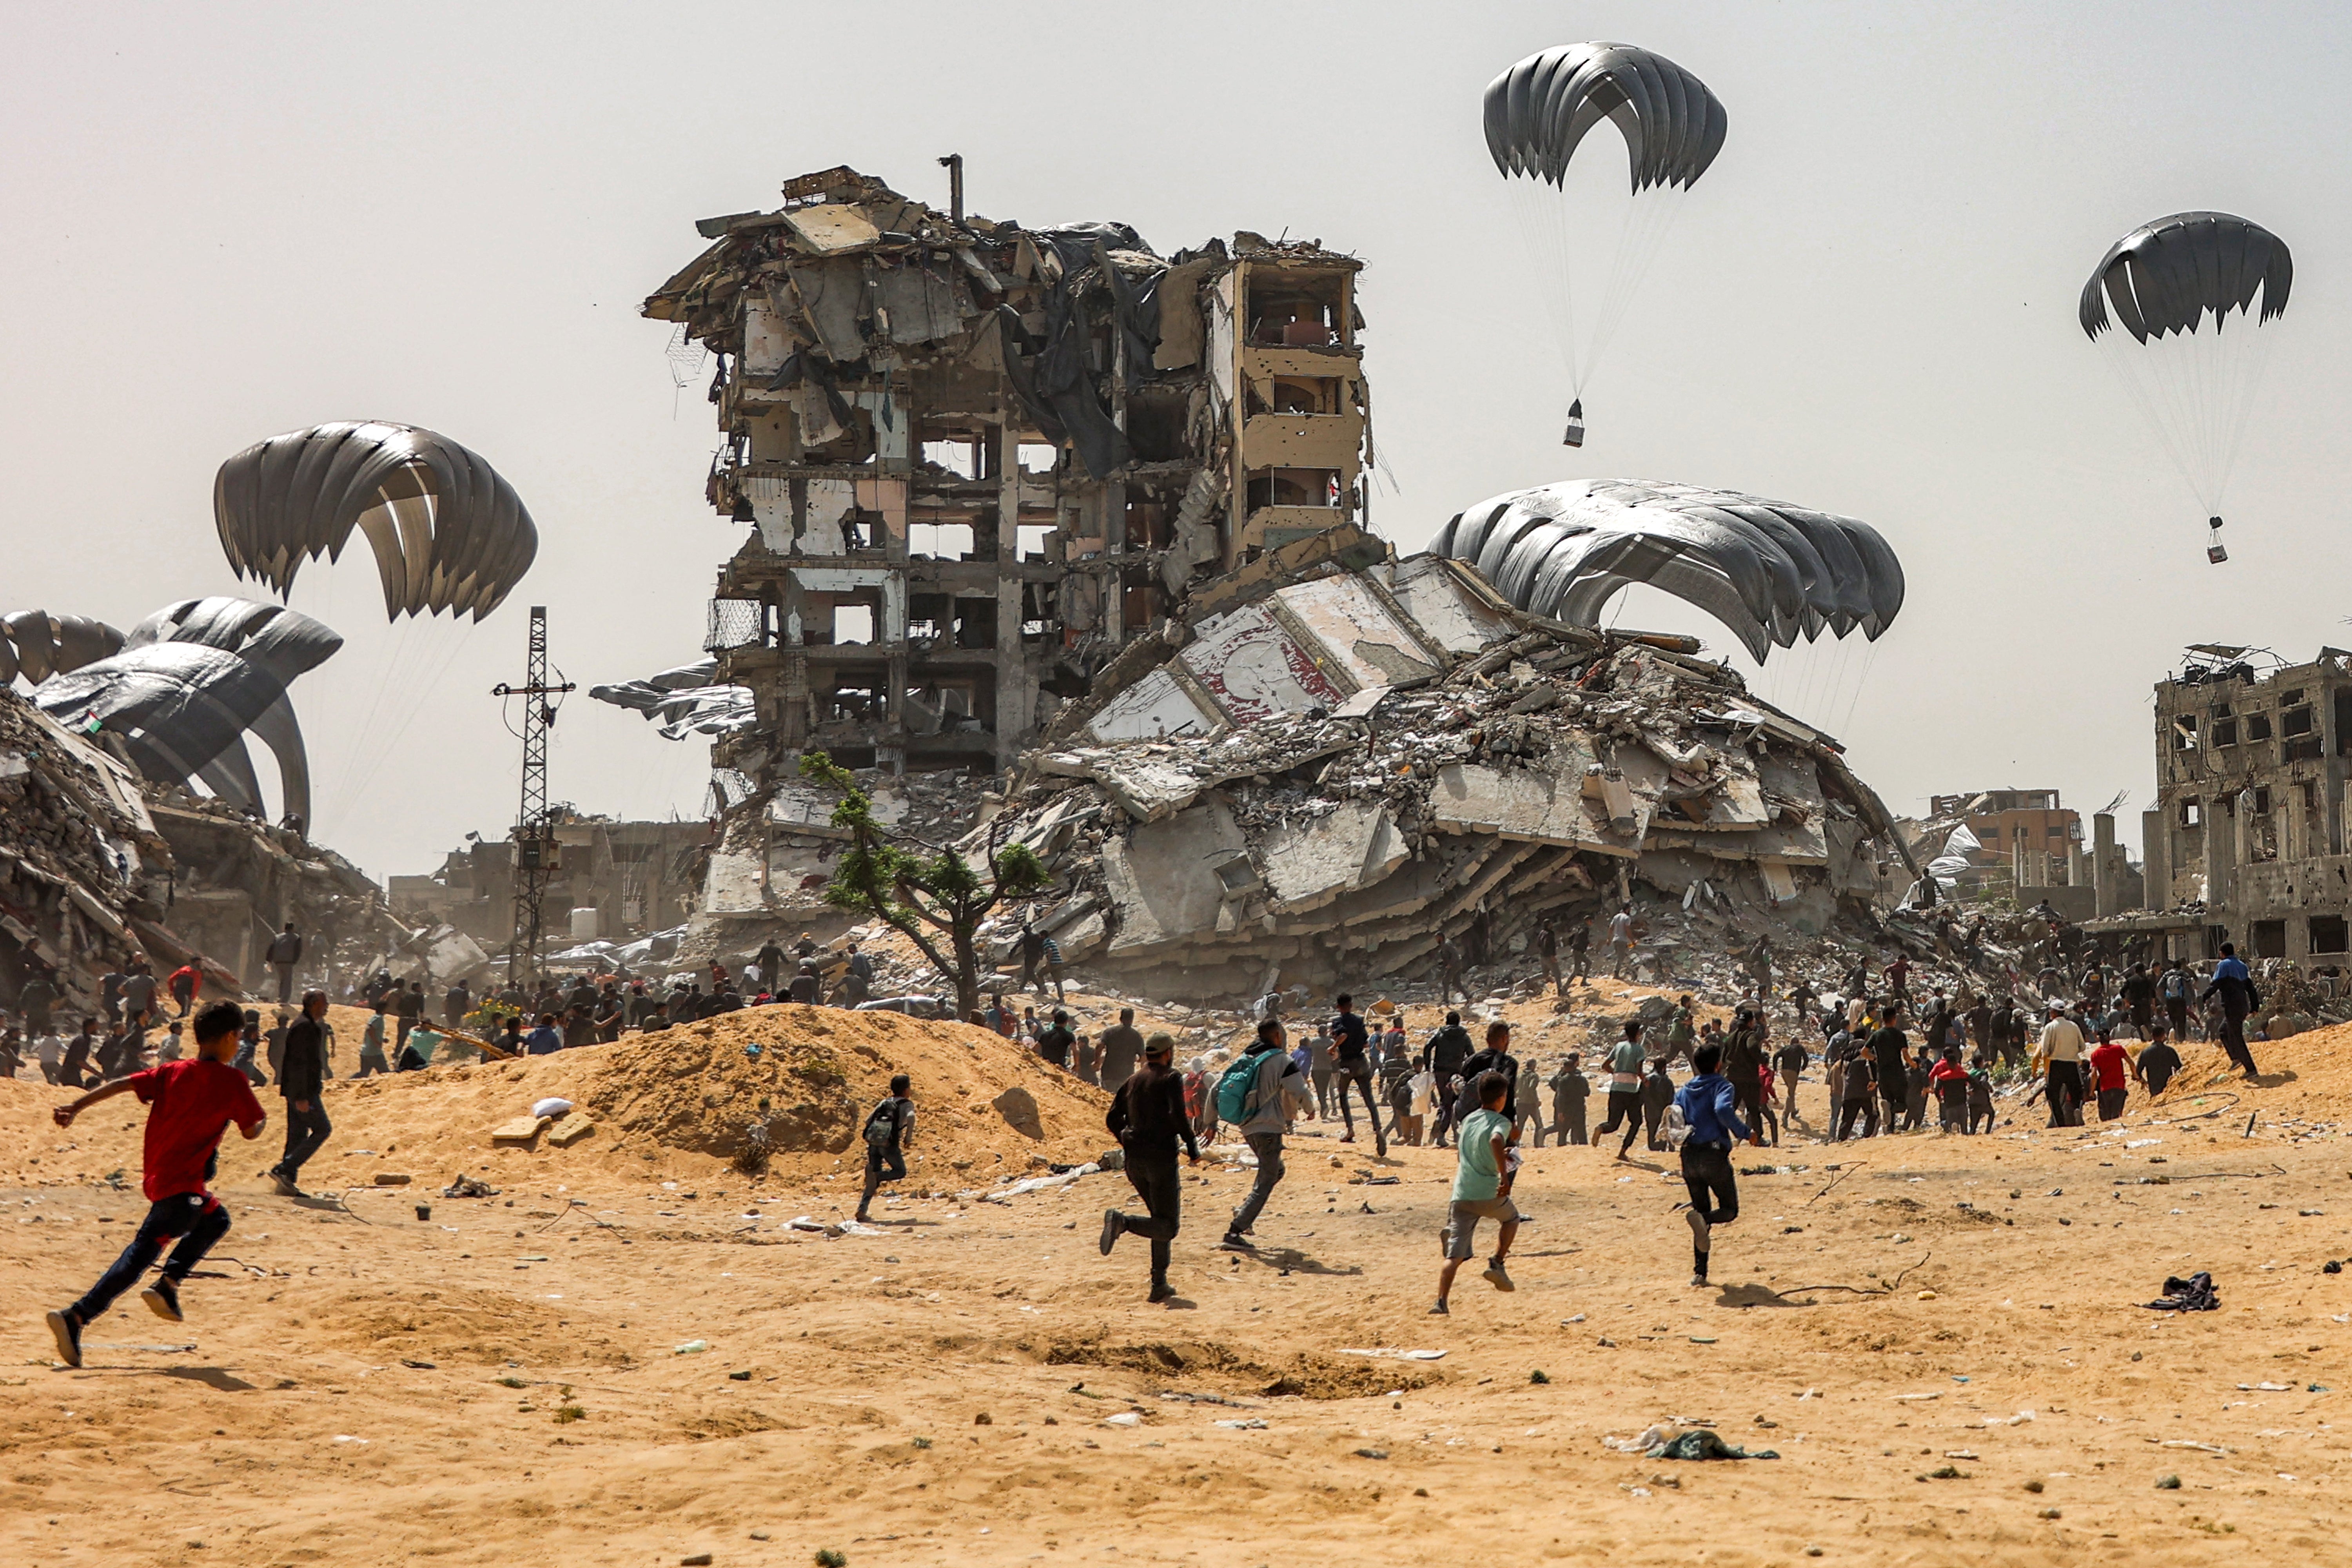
(1939, 1336)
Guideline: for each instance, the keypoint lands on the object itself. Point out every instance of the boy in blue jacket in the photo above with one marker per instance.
(1708, 1106)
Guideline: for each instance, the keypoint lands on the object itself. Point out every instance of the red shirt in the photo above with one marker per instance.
(2107, 1061)
(192, 1103)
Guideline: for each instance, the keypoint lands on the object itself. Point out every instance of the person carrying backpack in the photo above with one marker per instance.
(1261, 1094)
(888, 1127)
(2174, 988)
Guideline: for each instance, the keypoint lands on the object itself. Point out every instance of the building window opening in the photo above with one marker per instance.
(1034, 541)
(2328, 935)
(2269, 939)
(1306, 394)
(2184, 732)
(2257, 727)
(2191, 815)
(2225, 732)
(2295, 721)
(940, 540)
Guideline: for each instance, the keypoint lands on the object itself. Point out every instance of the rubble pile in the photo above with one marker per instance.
(97, 864)
(1343, 774)
(76, 842)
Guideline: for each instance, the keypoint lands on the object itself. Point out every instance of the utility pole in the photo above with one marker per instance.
(536, 858)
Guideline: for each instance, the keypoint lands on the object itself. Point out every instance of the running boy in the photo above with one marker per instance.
(1708, 1105)
(1481, 1188)
(190, 1104)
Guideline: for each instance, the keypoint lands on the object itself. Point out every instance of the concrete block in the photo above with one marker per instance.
(1308, 865)
(1516, 803)
(1156, 708)
(1147, 788)
(570, 1130)
(1163, 879)
(521, 1129)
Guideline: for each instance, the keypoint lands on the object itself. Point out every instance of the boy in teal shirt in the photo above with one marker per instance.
(1484, 1167)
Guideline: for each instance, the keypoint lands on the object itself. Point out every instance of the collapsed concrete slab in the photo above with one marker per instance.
(1371, 793)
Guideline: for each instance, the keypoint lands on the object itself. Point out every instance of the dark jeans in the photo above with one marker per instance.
(1625, 1109)
(1447, 1085)
(1851, 1111)
(285, 982)
(1267, 1147)
(2177, 1011)
(883, 1164)
(2111, 1103)
(2063, 1088)
(1359, 1074)
(306, 1133)
(1157, 1182)
(1714, 1194)
(183, 1216)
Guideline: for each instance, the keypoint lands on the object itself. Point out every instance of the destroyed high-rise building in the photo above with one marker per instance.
(2246, 841)
(973, 460)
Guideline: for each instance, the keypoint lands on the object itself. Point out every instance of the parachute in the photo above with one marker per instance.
(449, 533)
(1770, 572)
(2173, 288)
(186, 686)
(1537, 114)
(38, 645)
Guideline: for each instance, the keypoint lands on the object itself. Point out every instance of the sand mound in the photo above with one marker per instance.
(815, 1073)
(671, 1105)
(2306, 1076)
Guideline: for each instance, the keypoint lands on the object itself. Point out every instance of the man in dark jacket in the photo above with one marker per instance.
(301, 1075)
(1887, 1047)
(2239, 998)
(1448, 1049)
(1496, 1057)
(285, 953)
(1147, 1116)
(888, 1127)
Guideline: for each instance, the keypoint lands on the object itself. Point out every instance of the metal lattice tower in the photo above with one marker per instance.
(535, 855)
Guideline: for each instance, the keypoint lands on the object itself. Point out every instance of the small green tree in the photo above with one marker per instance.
(926, 891)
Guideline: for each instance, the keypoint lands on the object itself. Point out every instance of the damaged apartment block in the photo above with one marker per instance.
(2246, 842)
(974, 459)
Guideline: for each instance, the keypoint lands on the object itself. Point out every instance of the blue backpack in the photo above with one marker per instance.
(1236, 1093)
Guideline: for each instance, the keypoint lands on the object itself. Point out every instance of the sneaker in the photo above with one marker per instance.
(67, 1330)
(163, 1299)
(1698, 1281)
(1379, 1150)
(285, 1187)
(1440, 1311)
(1114, 1226)
(1699, 1224)
(1162, 1291)
(1495, 1276)
(1235, 1242)
(1348, 1138)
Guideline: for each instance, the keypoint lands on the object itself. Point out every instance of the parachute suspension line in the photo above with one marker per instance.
(420, 657)
(1542, 216)
(1869, 658)
(329, 802)
(1646, 235)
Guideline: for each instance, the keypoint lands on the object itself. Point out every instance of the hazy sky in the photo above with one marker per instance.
(228, 221)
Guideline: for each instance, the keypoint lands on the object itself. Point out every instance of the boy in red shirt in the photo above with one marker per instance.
(1949, 1080)
(2108, 1062)
(191, 1103)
